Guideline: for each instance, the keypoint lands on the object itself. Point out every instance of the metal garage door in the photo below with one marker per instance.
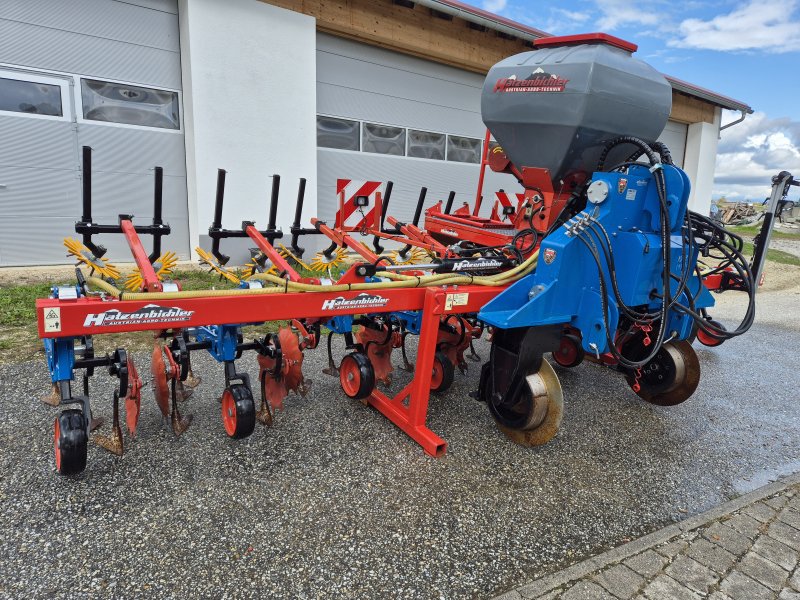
(386, 116)
(102, 73)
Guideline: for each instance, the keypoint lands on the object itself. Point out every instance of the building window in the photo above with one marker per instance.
(424, 144)
(129, 104)
(337, 133)
(383, 139)
(463, 149)
(30, 97)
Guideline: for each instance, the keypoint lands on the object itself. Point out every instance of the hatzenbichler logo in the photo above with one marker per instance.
(539, 81)
(152, 313)
(363, 300)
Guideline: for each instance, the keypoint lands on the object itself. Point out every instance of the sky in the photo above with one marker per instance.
(748, 50)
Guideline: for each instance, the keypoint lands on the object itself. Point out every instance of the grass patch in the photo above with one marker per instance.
(777, 256)
(753, 230)
(18, 303)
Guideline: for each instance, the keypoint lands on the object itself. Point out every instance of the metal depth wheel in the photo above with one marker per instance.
(443, 373)
(533, 417)
(706, 338)
(238, 411)
(570, 353)
(670, 378)
(356, 375)
(69, 442)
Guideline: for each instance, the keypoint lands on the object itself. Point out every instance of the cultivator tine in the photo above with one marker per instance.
(264, 415)
(179, 423)
(133, 399)
(112, 443)
(192, 380)
(473, 356)
(160, 371)
(53, 398)
(331, 369)
(407, 366)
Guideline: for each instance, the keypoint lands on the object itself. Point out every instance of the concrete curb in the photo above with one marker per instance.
(577, 571)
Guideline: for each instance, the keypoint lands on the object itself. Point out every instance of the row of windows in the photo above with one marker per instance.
(344, 134)
(101, 100)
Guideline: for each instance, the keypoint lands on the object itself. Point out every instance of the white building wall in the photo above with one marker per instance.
(701, 157)
(249, 73)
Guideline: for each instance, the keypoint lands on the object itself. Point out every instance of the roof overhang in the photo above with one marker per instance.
(509, 27)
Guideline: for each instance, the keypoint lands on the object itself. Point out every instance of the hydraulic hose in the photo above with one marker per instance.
(282, 285)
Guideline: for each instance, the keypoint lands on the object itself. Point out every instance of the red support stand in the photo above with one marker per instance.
(411, 416)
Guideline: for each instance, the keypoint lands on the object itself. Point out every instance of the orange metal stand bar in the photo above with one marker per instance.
(151, 282)
(411, 419)
(271, 253)
(484, 163)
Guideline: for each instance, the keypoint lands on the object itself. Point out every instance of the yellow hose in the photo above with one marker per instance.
(283, 285)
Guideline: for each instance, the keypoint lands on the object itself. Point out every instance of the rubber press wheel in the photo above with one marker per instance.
(570, 353)
(238, 411)
(707, 339)
(443, 373)
(69, 442)
(356, 375)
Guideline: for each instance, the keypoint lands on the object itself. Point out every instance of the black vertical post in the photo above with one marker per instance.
(87, 185)
(217, 223)
(158, 196)
(158, 204)
(86, 217)
(273, 202)
(449, 205)
(420, 201)
(385, 201)
(298, 214)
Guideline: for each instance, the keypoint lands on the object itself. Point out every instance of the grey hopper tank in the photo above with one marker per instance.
(556, 106)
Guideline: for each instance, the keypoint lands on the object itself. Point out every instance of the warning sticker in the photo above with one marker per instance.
(52, 320)
(631, 195)
(452, 300)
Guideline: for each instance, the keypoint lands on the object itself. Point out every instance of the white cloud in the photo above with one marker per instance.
(751, 152)
(759, 25)
(618, 12)
(494, 6)
(563, 21)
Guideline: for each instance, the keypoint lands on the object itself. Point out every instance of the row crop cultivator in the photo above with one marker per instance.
(596, 260)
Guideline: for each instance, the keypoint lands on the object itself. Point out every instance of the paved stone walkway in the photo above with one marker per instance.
(746, 549)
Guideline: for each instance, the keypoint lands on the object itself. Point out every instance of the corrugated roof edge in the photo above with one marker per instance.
(530, 33)
(713, 97)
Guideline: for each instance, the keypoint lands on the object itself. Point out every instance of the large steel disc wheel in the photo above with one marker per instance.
(356, 375)
(443, 373)
(670, 377)
(69, 439)
(238, 411)
(570, 353)
(533, 416)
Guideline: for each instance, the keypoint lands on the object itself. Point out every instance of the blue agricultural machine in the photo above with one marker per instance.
(597, 261)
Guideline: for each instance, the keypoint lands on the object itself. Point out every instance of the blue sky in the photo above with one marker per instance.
(748, 50)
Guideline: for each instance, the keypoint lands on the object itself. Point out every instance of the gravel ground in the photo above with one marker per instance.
(334, 501)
